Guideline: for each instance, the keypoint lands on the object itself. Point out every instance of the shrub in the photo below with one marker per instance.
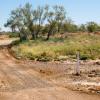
(84, 57)
(12, 35)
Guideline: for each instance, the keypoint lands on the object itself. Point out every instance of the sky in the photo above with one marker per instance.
(80, 11)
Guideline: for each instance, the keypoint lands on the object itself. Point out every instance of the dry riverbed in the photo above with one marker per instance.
(30, 80)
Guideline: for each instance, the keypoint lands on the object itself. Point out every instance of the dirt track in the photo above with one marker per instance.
(23, 82)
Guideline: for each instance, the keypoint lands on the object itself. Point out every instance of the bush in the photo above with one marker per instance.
(84, 57)
(12, 35)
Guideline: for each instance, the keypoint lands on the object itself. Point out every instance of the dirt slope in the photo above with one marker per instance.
(22, 82)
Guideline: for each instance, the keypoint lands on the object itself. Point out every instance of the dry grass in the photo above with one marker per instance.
(60, 48)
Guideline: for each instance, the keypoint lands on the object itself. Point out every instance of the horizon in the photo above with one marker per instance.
(79, 11)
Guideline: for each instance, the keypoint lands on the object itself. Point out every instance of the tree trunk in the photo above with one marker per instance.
(38, 30)
(22, 34)
(33, 35)
(59, 27)
(37, 33)
(48, 35)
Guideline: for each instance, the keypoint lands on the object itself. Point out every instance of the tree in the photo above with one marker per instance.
(11, 24)
(69, 26)
(92, 26)
(51, 19)
(16, 22)
(82, 28)
(28, 19)
(30, 22)
(40, 16)
(60, 16)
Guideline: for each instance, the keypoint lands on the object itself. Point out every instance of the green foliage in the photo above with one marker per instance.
(34, 23)
(69, 26)
(92, 27)
(60, 49)
(29, 22)
(82, 28)
(13, 35)
(84, 57)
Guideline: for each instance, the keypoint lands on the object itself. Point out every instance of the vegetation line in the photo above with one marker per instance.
(46, 33)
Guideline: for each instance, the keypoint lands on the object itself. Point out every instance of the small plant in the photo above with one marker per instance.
(84, 57)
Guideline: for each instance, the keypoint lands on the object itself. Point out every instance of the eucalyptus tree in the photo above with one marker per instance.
(55, 19)
(70, 26)
(16, 21)
(82, 28)
(40, 16)
(11, 25)
(30, 22)
(34, 19)
(28, 19)
(60, 16)
(51, 19)
(92, 26)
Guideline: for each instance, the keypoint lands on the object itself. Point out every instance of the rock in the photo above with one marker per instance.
(97, 62)
(98, 92)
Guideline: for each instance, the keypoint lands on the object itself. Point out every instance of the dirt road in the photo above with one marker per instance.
(22, 82)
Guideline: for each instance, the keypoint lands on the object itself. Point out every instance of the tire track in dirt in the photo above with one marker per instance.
(19, 79)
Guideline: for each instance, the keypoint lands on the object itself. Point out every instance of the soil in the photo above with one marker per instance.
(30, 80)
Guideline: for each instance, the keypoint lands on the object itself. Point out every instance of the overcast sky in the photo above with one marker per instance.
(80, 11)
